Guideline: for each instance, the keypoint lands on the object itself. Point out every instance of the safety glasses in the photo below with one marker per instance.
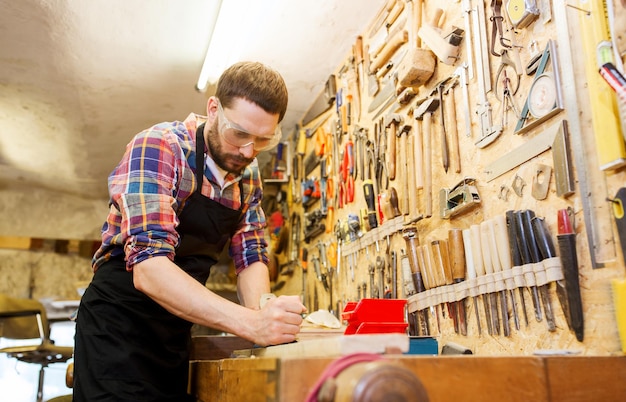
(240, 138)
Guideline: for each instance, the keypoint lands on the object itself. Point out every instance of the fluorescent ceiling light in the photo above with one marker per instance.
(235, 22)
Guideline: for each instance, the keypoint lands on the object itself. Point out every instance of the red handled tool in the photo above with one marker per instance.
(573, 308)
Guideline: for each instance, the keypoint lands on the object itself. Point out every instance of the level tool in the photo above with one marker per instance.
(606, 126)
(591, 183)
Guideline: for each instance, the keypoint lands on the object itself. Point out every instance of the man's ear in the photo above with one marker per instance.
(211, 106)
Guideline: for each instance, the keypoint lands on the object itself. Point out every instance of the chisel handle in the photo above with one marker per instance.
(516, 258)
(457, 254)
(485, 242)
(391, 153)
(469, 256)
(442, 260)
(502, 241)
(390, 47)
(428, 169)
(477, 253)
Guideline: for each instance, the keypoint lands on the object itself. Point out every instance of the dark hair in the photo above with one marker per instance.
(256, 83)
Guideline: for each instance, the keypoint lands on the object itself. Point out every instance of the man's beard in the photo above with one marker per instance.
(230, 163)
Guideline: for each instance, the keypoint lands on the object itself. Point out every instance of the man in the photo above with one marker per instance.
(181, 191)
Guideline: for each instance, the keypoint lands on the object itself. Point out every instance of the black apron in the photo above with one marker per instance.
(128, 347)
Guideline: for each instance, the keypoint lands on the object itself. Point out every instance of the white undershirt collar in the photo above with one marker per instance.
(218, 173)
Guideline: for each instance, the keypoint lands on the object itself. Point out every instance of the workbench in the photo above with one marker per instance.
(445, 378)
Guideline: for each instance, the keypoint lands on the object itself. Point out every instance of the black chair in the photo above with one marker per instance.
(25, 319)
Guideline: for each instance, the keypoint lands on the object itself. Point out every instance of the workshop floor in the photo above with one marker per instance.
(20, 379)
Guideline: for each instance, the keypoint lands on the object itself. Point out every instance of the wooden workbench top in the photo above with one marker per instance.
(463, 377)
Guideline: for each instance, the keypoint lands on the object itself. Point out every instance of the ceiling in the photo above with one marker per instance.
(79, 78)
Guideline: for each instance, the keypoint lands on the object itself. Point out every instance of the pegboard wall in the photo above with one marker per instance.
(434, 164)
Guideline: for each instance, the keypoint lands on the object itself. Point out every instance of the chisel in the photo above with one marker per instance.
(504, 254)
(457, 263)
(425, 266)
(471, 271)
(479, 266)
(441, 257)
(412, 244)
(523, 247)
(486, 234)
(567, 249)
(531, 240)
(547, 250)
(409, 289)
(425, 259)
(497, 267)
(515, 256)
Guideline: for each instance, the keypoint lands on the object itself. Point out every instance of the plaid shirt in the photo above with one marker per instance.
(148, 190)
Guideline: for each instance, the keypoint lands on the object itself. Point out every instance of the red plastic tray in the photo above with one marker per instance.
(375, 316)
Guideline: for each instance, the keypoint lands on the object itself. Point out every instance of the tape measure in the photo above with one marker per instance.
(522, 13)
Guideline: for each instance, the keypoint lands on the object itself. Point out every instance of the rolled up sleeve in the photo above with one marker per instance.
(249, 245)
(141, 190)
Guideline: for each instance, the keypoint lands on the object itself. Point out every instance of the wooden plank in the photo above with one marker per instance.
(333, 346)
(581, 378)
(259, 376)
(476, 379)
(205, 380)
(234, 380)
(463, 378)
(466, 378)
(216, 347)
(298, 376)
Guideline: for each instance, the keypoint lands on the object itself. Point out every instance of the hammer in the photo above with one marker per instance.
(392, 120)
(406, 206)
(424, 112)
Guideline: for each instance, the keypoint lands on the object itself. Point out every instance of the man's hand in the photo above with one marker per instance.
(278, 321)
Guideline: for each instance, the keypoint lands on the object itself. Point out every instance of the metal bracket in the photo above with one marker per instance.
(541, 181)
(518, 185)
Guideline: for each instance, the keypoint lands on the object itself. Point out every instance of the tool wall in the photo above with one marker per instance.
(468, 156)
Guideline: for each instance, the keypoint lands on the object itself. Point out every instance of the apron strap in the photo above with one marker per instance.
(200, 157)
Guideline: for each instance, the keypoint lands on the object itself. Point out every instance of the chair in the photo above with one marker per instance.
(25, 319)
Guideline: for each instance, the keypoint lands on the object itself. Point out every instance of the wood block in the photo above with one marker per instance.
(334, 346)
